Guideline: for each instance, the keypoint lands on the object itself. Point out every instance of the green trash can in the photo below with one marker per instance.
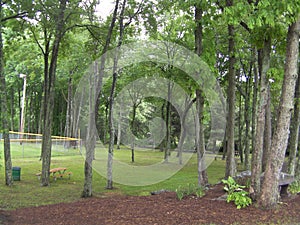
(16, 173)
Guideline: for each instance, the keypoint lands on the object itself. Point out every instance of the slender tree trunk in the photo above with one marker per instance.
(254, 107)
(269, 193)
(168, 124)
(183, 130)
(264, 65)
(69, 113)
(200, 140)
(133, 132)
(12, 109)
(230, 161)
(90, 142)
(4, 113)
(119, 128)
(268, 132)
(111, 103)
(247, 120)
(87, 188)
(240, 122)
(294, 137)
(49, 97)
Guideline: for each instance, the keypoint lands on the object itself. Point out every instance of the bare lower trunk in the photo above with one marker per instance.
(269, 193)
(200, 141)
(267, 133)
(111, 136)
(294, 133)
(264, 64)
(230, 161)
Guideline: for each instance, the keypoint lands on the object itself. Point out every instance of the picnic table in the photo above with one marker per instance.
(59, 172)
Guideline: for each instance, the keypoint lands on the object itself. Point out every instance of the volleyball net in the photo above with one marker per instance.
(29, 145)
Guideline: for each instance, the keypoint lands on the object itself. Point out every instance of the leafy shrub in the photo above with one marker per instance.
(294, 188)
(236, 193)
(188, 190)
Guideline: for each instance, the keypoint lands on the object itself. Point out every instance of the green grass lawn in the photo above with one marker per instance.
(28, 191)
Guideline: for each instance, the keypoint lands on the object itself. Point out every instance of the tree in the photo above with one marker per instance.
(200, 140)
(94, 107)
(230, 162)
(269, 193)
(49, 84)
(264, 64)
(4, 110)
(294, 132)
(9, 12)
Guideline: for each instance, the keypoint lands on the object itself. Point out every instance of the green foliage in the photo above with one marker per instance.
(190, 189)
(236, 193)
(294, 188)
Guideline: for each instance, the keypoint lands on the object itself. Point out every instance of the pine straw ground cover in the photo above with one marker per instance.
(163, 208)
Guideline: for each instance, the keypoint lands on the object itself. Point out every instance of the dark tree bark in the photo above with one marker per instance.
(230, 161)
(4, 112)
(264, 64)
(269, 193)
(294, 131)
(49, 95)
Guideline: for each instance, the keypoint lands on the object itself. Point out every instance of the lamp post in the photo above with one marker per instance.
(23, 107)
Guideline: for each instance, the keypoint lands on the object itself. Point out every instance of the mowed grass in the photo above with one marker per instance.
(28, 192)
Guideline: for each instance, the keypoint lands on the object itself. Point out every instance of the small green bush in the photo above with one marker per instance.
(294, 188)
(236, 193)
(189, 190)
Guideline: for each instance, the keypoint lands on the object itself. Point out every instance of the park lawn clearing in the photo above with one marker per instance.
(27, 192)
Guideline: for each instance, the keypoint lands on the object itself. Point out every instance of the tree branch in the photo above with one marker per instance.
(16, 16)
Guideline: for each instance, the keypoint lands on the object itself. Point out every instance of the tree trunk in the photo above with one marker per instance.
(230, 161)
(4, 114)
(87, 188)
(119, 128)
(111, 134)
(133, 132)
(264, 65)
(269, 193)
(168, 124)
(294, 137)
(49, 96)
(254, 106)
(247, 119)
(69, 113)
(200, 140)
(183, 130)
(90, 142)
(240, 126)
(268, 131)
(111, 103)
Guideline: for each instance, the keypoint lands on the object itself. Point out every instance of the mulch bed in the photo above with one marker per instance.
(163, 208)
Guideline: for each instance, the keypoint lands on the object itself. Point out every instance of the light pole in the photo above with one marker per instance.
(23, 107)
